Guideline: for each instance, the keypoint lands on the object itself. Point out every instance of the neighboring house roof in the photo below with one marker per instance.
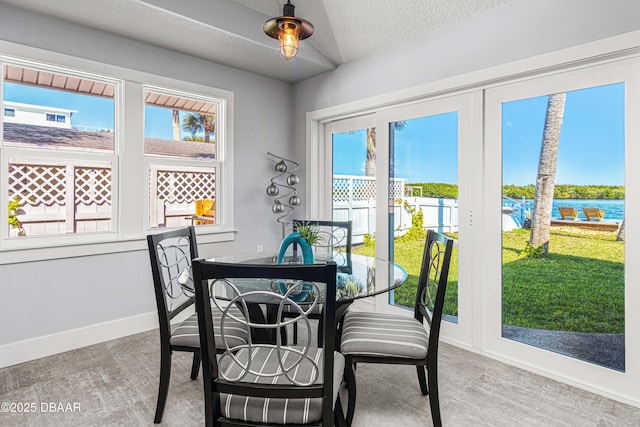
(52, 137)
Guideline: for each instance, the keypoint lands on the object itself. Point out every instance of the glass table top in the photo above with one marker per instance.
(356, 281)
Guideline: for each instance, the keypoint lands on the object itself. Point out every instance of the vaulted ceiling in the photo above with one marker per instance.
(230, 31)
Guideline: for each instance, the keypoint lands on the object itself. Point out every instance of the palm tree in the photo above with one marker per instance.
(545, 182)
(370, 164)
(194, 123)
(176, 125)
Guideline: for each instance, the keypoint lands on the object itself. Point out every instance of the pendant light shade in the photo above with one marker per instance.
(288, 30)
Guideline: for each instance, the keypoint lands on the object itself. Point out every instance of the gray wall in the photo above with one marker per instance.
(518, 30)
(45, 297)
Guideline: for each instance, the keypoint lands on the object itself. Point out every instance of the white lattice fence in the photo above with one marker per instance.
(92, 186)
(174, 191)
(64, 197)
(362, 188)
(38, 185)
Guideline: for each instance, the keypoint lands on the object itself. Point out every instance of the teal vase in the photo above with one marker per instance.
(307, 258)
(307, 253)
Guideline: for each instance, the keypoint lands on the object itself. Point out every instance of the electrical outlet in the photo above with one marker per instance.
(259, 249)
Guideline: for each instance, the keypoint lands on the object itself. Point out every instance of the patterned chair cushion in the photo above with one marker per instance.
(185, 333)
(272, 410)
(379, 334)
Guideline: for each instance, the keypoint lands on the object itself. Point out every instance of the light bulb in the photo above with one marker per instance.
(288, 39)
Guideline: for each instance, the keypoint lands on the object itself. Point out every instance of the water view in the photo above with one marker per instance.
(614, 209)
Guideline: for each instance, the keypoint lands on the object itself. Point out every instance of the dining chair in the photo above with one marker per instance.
(396, 339)
(268, 384)
(171, 253)
(332, 243)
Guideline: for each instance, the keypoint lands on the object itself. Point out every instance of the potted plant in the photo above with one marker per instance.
(309, 232)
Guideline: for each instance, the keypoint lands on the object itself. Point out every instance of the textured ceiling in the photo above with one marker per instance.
(230, 31)
(349, 29)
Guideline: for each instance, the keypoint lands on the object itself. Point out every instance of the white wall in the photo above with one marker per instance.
(518, 30)
(51, 297)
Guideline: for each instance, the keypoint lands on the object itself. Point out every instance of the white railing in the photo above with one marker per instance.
(354, 198)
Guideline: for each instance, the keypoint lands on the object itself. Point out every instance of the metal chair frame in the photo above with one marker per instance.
(434, 273)
(164, 289)
(206, 275)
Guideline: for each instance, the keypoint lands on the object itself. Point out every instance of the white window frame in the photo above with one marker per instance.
(49, 155)
(130, 217)
(177, 163)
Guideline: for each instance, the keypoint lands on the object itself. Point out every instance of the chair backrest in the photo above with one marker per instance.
(171, 253)
(333, 243)
(432, 283)
(568, 211)
(595, 213)
(318, 280)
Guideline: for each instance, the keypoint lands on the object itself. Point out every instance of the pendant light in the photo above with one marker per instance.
(288, 30)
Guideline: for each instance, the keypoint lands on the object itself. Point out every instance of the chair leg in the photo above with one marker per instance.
(350, 377)
(434, 400)
(195, 367)
(211, 407)
(339, 419)
(422, 379)
(320, 330)
(283, 335)
(163, 388)
(295, 333)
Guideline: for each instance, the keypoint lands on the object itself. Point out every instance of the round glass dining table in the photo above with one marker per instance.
(354, 280)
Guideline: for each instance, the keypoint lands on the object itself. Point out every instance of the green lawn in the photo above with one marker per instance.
(579, 287)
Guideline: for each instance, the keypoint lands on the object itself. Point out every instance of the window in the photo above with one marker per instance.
(70, 191)
(181, 142)
(70, 173)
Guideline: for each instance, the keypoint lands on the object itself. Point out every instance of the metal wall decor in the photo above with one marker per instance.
(282, 188)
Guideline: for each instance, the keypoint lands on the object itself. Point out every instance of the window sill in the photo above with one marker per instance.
(15, 255)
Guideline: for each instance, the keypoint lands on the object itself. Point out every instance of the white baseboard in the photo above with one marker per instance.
(35, 348)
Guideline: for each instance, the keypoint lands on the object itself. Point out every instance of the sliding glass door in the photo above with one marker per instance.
(396, 174)
(558, 221)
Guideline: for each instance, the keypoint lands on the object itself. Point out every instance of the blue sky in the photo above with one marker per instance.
(92, 111)
(591, 149)
(419, 139)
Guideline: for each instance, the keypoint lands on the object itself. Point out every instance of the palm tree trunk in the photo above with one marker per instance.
(176, 125)
(620, 236)
(370, 164)
(208, 128)
(547, 167)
